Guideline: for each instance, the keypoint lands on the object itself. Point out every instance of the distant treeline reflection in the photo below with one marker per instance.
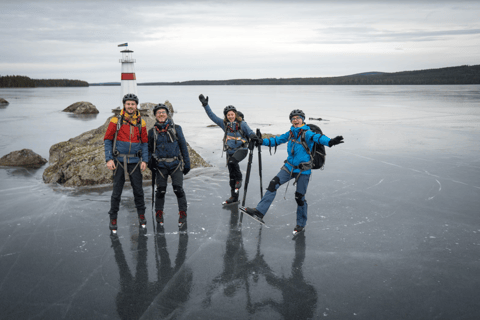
(26, 82)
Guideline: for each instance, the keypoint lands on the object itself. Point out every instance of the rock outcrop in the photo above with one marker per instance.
(81, 107)
(4, 102)
(23, 158)
(80, 161)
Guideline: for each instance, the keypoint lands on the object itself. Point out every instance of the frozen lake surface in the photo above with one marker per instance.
(393, 229)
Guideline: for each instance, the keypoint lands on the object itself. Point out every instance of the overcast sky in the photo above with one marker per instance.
(216, 40)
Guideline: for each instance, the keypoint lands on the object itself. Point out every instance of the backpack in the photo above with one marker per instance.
(318, 149)
(318, 153)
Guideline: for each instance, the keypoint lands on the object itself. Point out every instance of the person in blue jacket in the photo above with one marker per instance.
(235, 143)
(297, 166)
(169, 156)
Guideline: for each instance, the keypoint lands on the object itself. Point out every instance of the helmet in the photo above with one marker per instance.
(229, 108)
(240, 114)
(130, 97)
(297, 112)
(160, 106)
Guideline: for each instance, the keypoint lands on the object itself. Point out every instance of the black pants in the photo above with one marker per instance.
(235, 174)
(177, 184)
(118, 183)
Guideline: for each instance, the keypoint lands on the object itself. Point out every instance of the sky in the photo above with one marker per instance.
(220, 40)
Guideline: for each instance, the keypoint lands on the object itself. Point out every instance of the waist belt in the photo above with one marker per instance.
(167, 159)
(122, 155)
(236, 138)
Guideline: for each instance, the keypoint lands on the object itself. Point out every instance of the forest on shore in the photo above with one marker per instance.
(26, 82)
(450, 75)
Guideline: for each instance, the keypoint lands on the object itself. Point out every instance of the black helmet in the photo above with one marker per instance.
(297, 112)
(229, 108)
(160, 106)
(130, 97)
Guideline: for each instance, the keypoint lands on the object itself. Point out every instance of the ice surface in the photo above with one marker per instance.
(393, 229)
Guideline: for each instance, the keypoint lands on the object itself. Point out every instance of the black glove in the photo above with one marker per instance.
(203, 100)
(186, 170)
(335, 141)
(256, 140)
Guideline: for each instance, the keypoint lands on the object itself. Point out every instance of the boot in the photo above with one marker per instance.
(159, 217)
(113, 225)
(182, 219)
(142, 220)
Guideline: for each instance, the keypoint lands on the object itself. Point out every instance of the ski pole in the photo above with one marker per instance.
(259, 134)
(249, 167)
(153, 197)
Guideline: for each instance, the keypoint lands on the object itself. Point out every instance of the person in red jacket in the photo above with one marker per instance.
(126, 154)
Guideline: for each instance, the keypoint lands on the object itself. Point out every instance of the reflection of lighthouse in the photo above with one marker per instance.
(129, 81)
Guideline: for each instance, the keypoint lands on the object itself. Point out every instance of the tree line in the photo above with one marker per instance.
(26, 82)
(451, 75)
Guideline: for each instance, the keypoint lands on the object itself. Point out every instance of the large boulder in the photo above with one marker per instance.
(80, 161)
(23, 158)
(3, 102)
(81, 107)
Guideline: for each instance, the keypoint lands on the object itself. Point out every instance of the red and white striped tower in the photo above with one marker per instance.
(129, 80)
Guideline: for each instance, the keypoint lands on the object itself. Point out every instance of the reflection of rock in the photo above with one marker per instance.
(3, 102)
(22, 158)
(80, 161)
(81, 107)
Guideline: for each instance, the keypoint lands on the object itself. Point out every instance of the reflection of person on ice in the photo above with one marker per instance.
(126, 153)
(298, 165)
(169, 157)
(237, 133)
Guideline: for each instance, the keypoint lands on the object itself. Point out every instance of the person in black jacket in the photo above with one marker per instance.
(168, 155)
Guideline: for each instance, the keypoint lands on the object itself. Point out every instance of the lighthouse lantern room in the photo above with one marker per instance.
(129, 80)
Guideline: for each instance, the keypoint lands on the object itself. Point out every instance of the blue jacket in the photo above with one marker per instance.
(296, 152)
(235, 140)
(165, 148)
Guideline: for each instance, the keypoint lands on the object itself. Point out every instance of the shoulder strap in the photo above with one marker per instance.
(119, 124)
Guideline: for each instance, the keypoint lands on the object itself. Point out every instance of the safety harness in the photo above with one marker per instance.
(172, 137)
(116, 154)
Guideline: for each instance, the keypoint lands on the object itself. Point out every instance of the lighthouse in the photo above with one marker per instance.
(129, 80)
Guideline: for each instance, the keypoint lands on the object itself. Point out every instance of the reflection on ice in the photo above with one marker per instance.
(392, 218)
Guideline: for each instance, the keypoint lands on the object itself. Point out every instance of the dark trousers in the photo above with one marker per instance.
(235, 174)
(177, 184)
(118, 183)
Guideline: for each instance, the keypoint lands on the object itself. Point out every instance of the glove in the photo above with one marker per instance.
(256, 140)
(203, 100)
(335, 141)
(186, 170)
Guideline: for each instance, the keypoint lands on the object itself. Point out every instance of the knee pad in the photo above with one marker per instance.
(178, 190)
(272, 187)
(298, 198)
(161, 192)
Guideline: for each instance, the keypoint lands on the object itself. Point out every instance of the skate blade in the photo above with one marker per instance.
(114, 231)
(228, 204)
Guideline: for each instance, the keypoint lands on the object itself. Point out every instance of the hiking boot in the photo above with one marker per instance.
(142, 220)
(298, 229)
(182, 218)
(113, 225)
(159, 217)
(255, 214)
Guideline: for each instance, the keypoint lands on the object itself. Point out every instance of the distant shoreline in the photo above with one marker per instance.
(445, 76)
